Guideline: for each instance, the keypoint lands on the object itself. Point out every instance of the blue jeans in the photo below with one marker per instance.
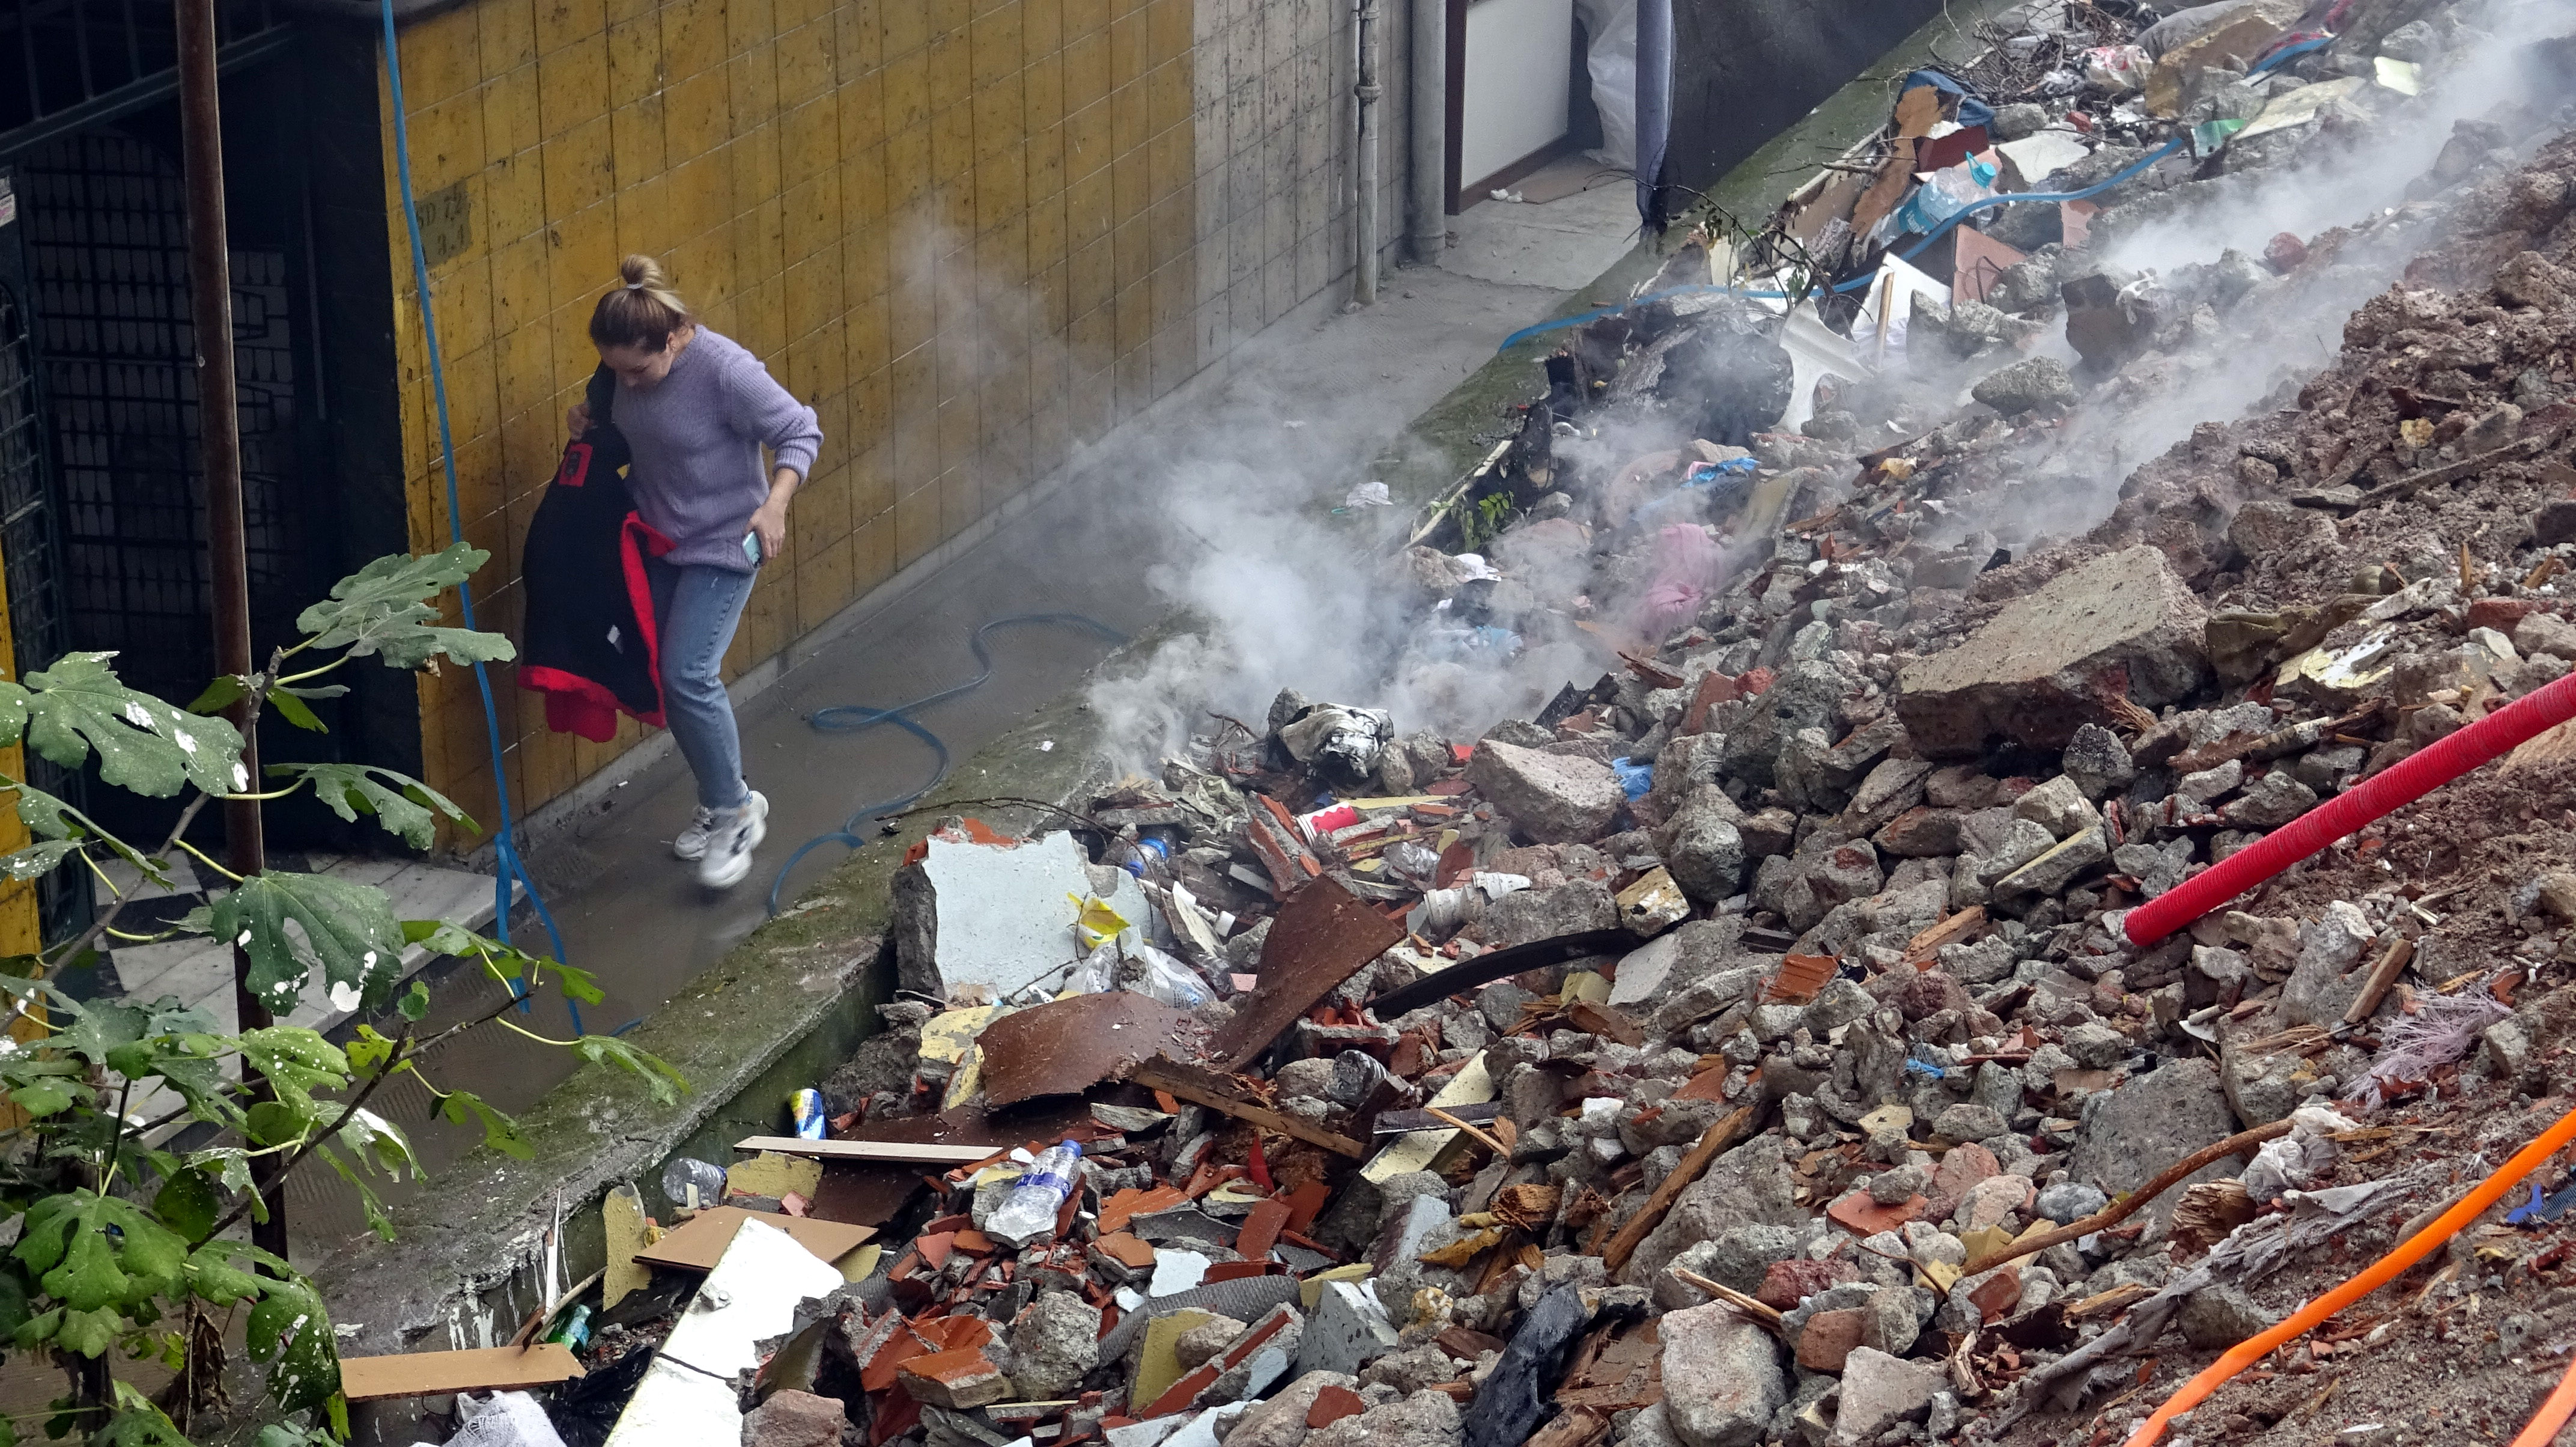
(701, 606)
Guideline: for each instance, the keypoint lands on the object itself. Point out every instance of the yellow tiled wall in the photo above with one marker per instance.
(965, 231)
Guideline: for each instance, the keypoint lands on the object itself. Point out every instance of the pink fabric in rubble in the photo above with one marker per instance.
(1686, 573)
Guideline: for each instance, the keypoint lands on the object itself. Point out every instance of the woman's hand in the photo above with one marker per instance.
(578, 419)
(769, 524)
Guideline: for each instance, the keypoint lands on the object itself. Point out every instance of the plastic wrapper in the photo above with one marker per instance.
(2116, 69)
(1168, 980)
(1097, 972)
(685, 1172)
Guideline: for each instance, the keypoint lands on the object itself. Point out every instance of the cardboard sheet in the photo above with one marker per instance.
(426, 1374)
(700, 1242)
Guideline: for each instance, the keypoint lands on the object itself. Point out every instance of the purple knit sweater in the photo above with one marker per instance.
(697, 436)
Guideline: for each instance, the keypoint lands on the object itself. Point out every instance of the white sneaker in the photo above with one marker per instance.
(730, 841)
(692, 843)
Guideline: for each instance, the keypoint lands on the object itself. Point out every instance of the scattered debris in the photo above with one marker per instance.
(1744, 1047)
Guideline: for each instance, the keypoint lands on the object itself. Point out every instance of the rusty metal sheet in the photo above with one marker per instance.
(1321, 937)
(1071, 1045)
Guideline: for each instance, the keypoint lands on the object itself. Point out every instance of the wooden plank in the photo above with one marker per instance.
(1927, 944)
(1720, 1136)
(898, 1152)
(703, 1238)
(428, 1374)
(1213, 1091)
(1402, 1122)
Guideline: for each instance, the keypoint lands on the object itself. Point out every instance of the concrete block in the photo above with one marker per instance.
(1722, 1376)
(1880, 1391)
(1348, 1331)
(995, 915)
(2120, 624)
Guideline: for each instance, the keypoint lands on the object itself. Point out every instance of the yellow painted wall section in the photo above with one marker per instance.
(964, 231)
(21, 928)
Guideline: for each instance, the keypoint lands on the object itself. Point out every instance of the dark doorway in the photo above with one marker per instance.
(98, 263)
(107, 238)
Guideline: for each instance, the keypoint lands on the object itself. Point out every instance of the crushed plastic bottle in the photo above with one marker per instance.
(575, 1332)
(1028, 1215)
(693, 1184)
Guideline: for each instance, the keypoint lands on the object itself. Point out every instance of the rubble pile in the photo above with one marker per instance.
(1746, 1047)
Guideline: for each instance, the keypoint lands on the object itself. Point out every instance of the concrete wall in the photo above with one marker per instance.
(973, 234)
(1742, 73)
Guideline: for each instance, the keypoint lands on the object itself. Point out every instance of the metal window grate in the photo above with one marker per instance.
(65, 64)
(35, 585)
(107, 247)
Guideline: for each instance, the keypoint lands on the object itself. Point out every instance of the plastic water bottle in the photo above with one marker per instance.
(575, 1332)
(1028, 1214)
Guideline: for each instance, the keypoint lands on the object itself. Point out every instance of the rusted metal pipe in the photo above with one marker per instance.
(210, 304)
(1364, 218)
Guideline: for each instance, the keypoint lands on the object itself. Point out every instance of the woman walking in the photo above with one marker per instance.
(696, 410)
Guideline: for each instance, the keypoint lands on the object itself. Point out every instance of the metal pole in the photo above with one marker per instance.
(1430, 106)
(210, 298)
(1364, 289)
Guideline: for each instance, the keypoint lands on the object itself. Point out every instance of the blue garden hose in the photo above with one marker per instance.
(858, 718)
(504, 841)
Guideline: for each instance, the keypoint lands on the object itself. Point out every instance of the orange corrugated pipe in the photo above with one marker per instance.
(2246, 1353)
(2552, 1414)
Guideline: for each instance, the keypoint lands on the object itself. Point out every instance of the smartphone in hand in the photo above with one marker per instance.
(751, 548)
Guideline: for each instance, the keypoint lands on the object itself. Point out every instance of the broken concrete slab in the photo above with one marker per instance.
(1553, 798)
(2122, 626)
(1000, 915)
(2128, 1134)
(1722, 1376)
(1880, 1391)
(1348, 1330)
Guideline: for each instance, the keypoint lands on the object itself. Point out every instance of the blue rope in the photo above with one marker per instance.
(1857, 282)
(857, 718)
(504, 842)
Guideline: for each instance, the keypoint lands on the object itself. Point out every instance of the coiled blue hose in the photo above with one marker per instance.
(858, 718)
(505, 846)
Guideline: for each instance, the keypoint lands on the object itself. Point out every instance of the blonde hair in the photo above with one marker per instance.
(643, 312)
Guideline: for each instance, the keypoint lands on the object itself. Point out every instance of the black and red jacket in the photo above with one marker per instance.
(593, 632)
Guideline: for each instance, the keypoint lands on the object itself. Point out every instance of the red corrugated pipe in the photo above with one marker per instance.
(2410, 779)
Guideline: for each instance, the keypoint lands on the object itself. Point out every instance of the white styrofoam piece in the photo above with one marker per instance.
(750, 1295)
(1176, 1271)
(2036, 157)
